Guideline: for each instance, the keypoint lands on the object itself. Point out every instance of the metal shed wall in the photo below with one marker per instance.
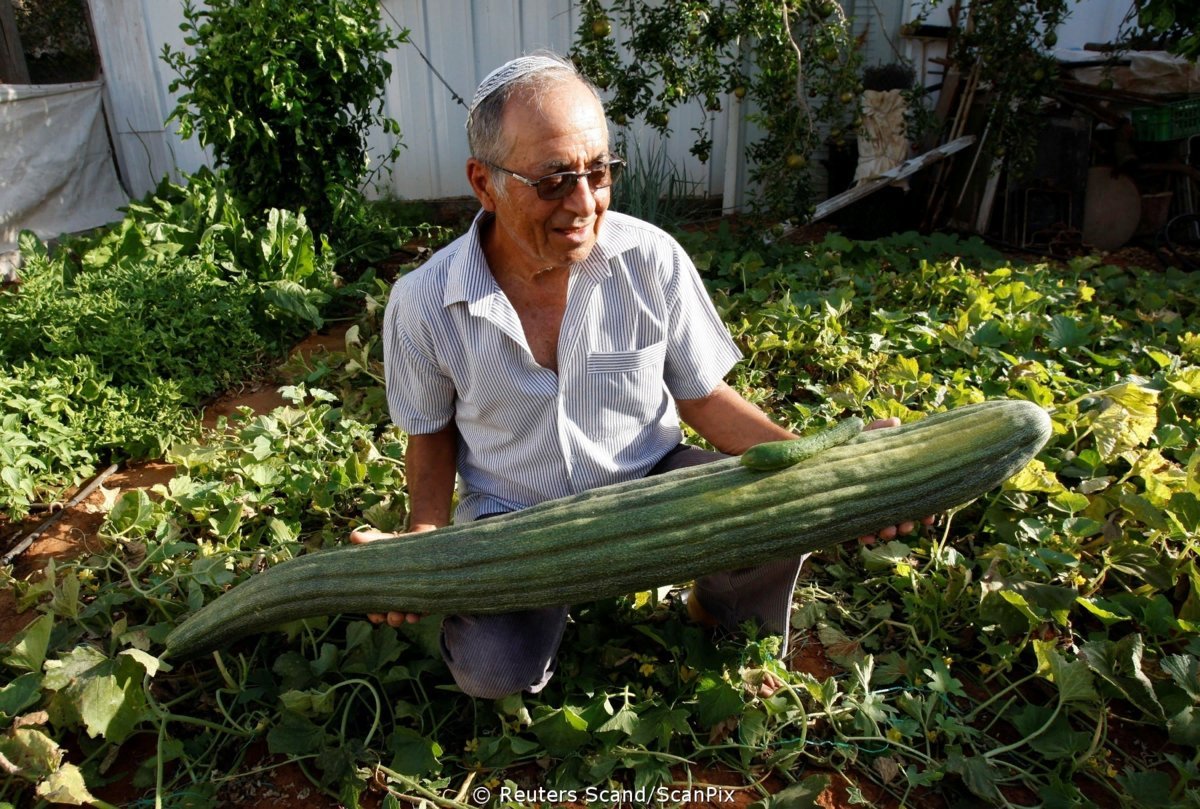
(462, 39)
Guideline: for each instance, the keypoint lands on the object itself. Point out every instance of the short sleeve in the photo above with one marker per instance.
(420, 396)
(700, 351)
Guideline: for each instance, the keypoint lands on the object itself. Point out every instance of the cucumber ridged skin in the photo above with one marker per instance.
(781, 454)
(641, 534)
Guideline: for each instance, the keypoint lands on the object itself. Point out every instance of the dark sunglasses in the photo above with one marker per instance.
(562, 183)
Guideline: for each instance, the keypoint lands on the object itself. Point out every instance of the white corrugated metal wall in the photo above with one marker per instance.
(463, 40)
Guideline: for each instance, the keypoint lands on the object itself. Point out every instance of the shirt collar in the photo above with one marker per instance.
(470, 281)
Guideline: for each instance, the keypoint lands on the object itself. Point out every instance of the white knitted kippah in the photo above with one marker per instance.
(511, 71)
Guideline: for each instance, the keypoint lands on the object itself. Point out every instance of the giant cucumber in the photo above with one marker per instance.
(642, 534)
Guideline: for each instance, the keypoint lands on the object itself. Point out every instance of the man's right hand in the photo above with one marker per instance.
(361, 536)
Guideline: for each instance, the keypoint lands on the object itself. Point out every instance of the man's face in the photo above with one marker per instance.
(567, 132)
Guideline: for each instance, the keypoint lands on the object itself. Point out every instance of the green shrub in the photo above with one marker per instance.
(285, 93)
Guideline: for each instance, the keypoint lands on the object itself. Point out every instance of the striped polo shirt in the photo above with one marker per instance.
(639, 331)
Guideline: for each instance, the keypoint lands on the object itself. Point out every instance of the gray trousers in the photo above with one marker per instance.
(492, 656)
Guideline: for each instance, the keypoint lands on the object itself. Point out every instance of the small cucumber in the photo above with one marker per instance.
(782, 454)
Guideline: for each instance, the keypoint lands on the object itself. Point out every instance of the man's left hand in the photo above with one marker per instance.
(900, 529)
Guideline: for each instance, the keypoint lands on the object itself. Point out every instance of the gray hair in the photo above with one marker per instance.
(532, 74)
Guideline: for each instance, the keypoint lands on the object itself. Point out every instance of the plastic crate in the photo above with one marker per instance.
(1178, 119)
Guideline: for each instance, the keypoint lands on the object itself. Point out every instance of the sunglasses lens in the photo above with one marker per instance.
(557, 186)
(612, 172)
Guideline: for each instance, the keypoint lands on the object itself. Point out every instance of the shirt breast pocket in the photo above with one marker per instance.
(617, 362)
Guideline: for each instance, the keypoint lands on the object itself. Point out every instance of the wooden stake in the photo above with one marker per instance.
(13, 69)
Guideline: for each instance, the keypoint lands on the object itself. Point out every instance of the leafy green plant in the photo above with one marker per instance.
(1169, 23)
(115, 340)
(653, 188)
(794, 64)
(285, 95)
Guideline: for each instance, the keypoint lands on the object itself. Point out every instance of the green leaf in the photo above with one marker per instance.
(716, 700)
(1184, 511)
(1149, 789)
(315, 702)
(133, 511)
(294, 671)
(1127, 421)
(1082, 527)
(12, 477)
(412, 753)
(32, 752)
(753, 732)
(882, 557)
(977, 773)
(29, 649)
(376, 649)
(225, 522)
(71, 668)
(803, 795)
(19, 694)
(1055, 740)
(1186, 381)
(295, 735)
(1019, 601)
(1035, 477)
(110, 705)
(941, 681)
(1120, 665)
(514, 706)
(148, 662)
(841, 649)
(66, 786)
(562, 731)
(291, 298)
(1185, 671)
(990, 334)
(500, 751)
(1067, 332)
(1106, 616)
(1184, 727)
(281, 533)
(1141, 561)
(1070, 502)
(624, 721)
(825, 691)
(659, 724)
(1072, 678)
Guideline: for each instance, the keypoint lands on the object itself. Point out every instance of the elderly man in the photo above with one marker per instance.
(554, 348)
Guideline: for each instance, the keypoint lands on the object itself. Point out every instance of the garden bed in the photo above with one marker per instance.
(1047, 631)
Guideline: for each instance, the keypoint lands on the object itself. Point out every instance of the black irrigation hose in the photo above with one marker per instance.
(1168, 242)
(41, 529)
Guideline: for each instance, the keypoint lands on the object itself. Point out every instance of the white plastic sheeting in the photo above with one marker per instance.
(1148, 72)
(56, 168)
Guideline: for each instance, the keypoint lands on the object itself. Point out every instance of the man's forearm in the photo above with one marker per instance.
(430, 469)
(729, 422)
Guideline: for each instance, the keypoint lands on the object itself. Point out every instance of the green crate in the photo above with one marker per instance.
(1178, 119)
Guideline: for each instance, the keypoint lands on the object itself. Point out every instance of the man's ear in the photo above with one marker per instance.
(480, 178)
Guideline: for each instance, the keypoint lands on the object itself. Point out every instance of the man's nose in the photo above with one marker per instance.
(582, 199)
